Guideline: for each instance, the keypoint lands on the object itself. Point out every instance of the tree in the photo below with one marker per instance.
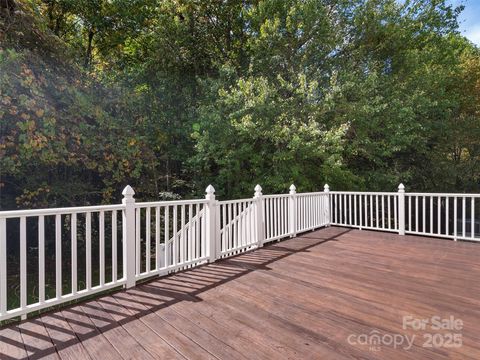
(171, 95)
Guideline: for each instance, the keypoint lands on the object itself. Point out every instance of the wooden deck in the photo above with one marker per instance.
(303, 298)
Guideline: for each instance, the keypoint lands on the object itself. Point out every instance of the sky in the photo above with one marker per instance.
(469, 19)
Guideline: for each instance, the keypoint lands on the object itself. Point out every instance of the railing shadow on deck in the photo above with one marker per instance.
(100, 315)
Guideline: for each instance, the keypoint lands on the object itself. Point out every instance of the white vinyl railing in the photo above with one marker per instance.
(169, 236)
(237, 226)
(79, 251)
(62, 225)
(312, 211)
(276, 213)
(372, 210)
(452, 216)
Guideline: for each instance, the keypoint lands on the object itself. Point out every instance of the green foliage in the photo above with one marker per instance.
(258, 129)
(172, 95)
(61, 142)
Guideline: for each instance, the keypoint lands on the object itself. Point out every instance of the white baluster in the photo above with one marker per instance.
(148, 238)
(88, 250)
(3, 266)
(102, 247)
(157, 239)
(58, 256)
(455, 218)
(23, 263)
(73, 232)
(114, 246)
(166, 237)
(41, 259)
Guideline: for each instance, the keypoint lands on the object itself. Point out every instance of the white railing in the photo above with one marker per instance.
(169, 236)
(85, 250)
(97, 224)
(312, 211)
(237, 226)
(276, 216)
(372, 210)
(452, 216)
(81, 251)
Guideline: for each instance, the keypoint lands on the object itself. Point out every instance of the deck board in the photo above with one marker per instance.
(116, 335)
(37, 341)
(64, 338)
(299, 298)
(93, 341)
(168, 321)
(11, 344)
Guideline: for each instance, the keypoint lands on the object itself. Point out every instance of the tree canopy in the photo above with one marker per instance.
(171, 95)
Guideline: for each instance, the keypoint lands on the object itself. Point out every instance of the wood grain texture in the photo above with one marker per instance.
(296, 299)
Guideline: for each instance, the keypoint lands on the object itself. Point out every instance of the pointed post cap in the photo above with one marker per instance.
(258, 190)
(210, 189)
(210, 193)
(326, 188)
(293, 189)
(128, 192)
(401, 188)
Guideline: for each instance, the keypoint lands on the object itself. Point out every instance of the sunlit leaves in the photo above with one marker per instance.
(177, 94)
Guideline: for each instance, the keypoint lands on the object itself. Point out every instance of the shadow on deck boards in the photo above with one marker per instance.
(92, 329)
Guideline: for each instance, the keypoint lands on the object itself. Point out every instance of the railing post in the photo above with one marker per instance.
(210, 223)
(326, 190)
(258, 213)
(129, 236)
(401, 209)
(292, 213)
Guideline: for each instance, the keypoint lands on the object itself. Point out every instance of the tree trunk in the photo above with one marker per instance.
(58, 25)
(88, 54)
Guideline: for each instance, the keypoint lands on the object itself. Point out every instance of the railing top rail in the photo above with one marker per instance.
(443, 194)
(312, 193)
(275, 196)
(365, 192)
(59, 211)
(236, 201)
(170, 202)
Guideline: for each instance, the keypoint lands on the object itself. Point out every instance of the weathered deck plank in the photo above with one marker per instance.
(300, 298)
(94, 342)
(63, 337)
(11, 344)
(37, 341)
(116, 335)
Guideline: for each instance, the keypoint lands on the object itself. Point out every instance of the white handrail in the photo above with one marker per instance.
(54, 211)
(187, 233)
(443, 194)
(364, 192)
(169, 203)
(236, 201)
